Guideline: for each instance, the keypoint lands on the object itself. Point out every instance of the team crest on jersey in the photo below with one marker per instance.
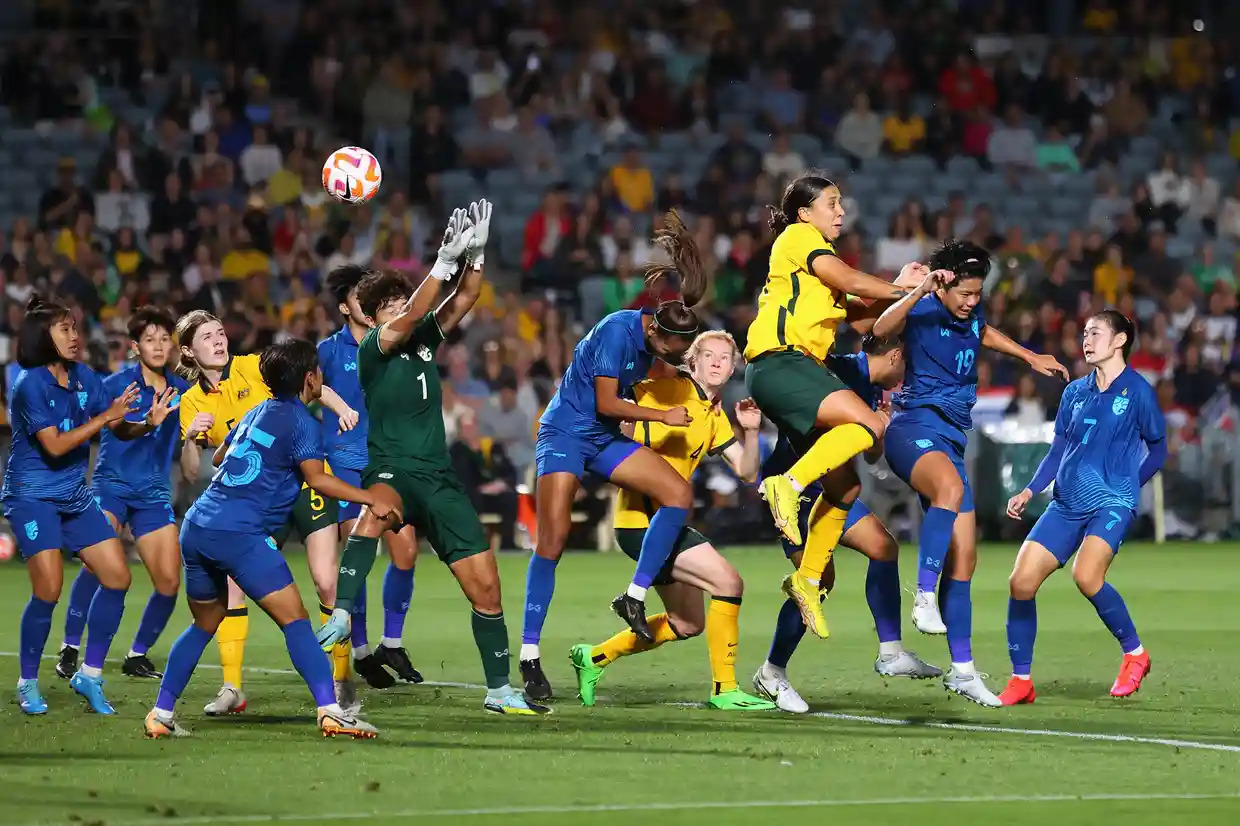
(241, 394)
(424, 352)
(81, 396)
(32, 530)
(1119, 405)
(924, 443)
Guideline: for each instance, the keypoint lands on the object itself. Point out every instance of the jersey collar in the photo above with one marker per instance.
(1121, 382)
(346, 336)
(701, 391)
(206, 386)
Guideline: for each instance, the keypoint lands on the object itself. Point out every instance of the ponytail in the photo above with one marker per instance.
(677, 317)
(777, 221)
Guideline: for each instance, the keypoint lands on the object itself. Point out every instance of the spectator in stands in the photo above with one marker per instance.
(1219, 327)
(1229, 213)
(1012, 146)
(533, 149)
(543, 231)
(1194, 383)
(1202, 197)
(489, 477)
(1112, 275)
(1207, 271)
(1099, 146)
(577, 257)
(504, 421)
(261, 159)
(1155, 271)
(633, 181)
(736, 156)
(899, 247)
(117, 206)
(1108, 206)
(1054, 153)
(782, 107)
(1026, 408)
(432, 151)
(59, 205)
(1126, 114)
(966, 85)
(782, 162)
(1168, 190)
(904, 132)
(860, 132)
(975, 135)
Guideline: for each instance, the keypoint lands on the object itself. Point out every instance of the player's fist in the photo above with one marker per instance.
(911, 275)
(123, 404)
(348, 419)
(1017, 504)
(676, 417)
(748, 416)
(200, 424)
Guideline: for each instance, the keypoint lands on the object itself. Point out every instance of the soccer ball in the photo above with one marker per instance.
(351, 174)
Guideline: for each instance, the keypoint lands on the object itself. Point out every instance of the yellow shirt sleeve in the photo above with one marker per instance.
(723, 434)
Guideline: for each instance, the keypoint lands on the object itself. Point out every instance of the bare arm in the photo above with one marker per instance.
(394, 334)
(743, 456)
(837, 275)
(191, 460)
(861, 316)
(462, 300)
(996, 340)
(217, 458)
(56, 443)
(892, 320)
(608, 403)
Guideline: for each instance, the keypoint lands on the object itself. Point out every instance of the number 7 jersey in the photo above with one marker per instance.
(254, 489)
(940, 353)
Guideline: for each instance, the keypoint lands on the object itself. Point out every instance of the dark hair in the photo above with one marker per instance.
(1119, 323)
(187, 328)
(150, 317)
(872, 345)
(677, 317)
(964, 258)
(378, 288)
(800, 192)
(284, 366)
(35, 347)
(343, 279)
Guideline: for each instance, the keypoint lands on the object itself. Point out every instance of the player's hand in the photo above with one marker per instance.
(911, 275)
(200, 424)
(161, 406)
(676, 417)
(348, 420)
(456, 239)
(1016, 505)
(124, 404)
(385, 506)
(480, 219)
(937, 279)
(748, 416)
(1049, 366)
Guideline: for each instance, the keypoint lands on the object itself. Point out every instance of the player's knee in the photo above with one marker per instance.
(552, 538)
(1089, 582)
(115, 578)
(369, 525)
(1022, 586)
(727, 582)
(486, 599)
(679, 495)
(326, 593)
(877, 425)
(166, 582)
(948, 494)
(684, 627)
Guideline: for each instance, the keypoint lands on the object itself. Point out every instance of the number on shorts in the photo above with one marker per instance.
(422, 381)
(1113, 521)
(316, 500)
(1088, 429)
(243, 448)
(964, 360)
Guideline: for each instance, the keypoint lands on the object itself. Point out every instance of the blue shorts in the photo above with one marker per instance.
(559, 452)
(348, 510)
(855, 514)
(44, 526)
(142, 516)
(210, 557)
(914, 433)
(1061, 531)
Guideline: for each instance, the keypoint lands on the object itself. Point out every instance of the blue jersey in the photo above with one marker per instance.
(140, 468)
(940, 353)
(1103, 433)
(615, 348)
(254, 489)
(338, 358)
(36, 402)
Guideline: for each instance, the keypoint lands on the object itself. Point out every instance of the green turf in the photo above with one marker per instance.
(440, 756)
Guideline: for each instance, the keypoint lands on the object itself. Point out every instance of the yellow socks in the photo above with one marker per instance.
(831, 450)
(231, 637)
(626, 642)
(342, 652)
(723, 632)
(826, 526)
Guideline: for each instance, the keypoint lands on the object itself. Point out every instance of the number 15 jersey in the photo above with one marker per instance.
(940, 353)
(254, 489)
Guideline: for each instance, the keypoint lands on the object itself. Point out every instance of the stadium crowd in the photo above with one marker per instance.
(1093, 155)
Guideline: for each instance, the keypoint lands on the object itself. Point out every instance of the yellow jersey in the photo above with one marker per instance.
(796, 311)
(240, 390)
(710, 432)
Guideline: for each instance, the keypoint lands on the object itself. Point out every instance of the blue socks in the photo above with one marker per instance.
(155, 618)
(660, 538)
(80, 595)
(1114, 614)
(956, 605)
(882, 594)
(789, 629)
(36, 625)
(1022, 630)
(310, 661)
(397, 594)
(539, 588)
(102, 621)
(932, 545)
(358, 635)
(182, 660)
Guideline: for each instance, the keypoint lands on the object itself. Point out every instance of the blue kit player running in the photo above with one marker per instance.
(580, 431)
(878, 367)
(133, 485)
(944, 328)
(227, 533)
(347, 455)
(56, 406)
(1106, 422)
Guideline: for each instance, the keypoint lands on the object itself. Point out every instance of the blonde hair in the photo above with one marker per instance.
(710, 335)
(186, 328)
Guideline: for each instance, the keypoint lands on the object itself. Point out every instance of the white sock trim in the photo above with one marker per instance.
(361, 652)
(964, 668)
(890, 649)
(1136, 652)
(91, 671)
(391, 642)
(529, 652)
(637, 592)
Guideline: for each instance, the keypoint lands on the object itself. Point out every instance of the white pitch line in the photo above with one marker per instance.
(878, 721)
(603, 808)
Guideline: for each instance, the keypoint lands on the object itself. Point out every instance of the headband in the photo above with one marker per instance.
(696, 326)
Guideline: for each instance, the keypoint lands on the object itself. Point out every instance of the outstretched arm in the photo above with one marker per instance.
(996, 340)
(607, 402)
(456, 306)
(837, 275)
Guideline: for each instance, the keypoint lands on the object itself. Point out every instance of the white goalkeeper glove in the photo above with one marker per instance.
(456, 240)
(480, 218)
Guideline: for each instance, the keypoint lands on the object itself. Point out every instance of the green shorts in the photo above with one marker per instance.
(311, 512)
(789, 387)
(438, 508)
(630, 541)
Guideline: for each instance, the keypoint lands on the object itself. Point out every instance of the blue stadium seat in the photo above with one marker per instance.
(963, 165)
(809, 146)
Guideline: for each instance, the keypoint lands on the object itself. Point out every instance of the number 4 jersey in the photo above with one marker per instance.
(254, 489)
(940, 354)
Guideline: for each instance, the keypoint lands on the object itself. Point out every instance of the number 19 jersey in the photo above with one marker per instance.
(940, 354)
(254, 489)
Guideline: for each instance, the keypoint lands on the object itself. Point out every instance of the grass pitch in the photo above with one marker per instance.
(871, 750)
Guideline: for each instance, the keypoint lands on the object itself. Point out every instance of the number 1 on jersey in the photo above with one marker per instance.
(422, 381)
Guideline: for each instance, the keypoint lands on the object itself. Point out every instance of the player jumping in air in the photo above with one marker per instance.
(346, 451)
(878, 367)
(1096, 463)
(944, 328)
(580, 431)
(799, 311)
(226, 536)
(223, 388)
(56, 406)
(132, 483)
(408, 454)
(695, 567)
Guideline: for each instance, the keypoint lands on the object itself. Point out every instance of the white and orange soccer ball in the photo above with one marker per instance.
(352, 175)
